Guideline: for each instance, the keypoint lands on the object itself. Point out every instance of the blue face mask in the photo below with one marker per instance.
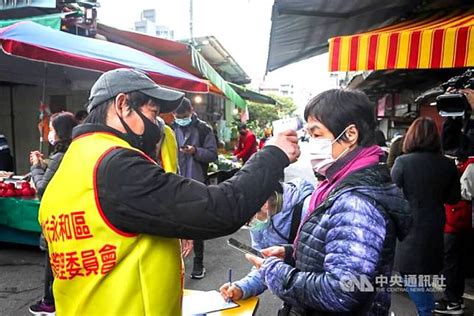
(183, 121)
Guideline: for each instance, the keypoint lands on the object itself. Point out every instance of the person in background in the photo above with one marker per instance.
(167, 148)
(457, 242)
(167, 158)
(276, 223)
(457, 133)
(247, 145)
(80, 116)
(467, 179)
(354, 217)
(60, 136)
(395, 150)
(132, 218)
(428, 180)
(382, 142)
(6, 160)
(267, 133)
(197, 148)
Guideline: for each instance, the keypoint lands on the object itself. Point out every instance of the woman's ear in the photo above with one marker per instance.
(352, 134)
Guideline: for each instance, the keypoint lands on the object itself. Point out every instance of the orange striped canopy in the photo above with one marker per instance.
(438, 41)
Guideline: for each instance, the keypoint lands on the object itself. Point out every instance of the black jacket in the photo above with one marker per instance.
(428, 181)
(137, 196)
(457, 137)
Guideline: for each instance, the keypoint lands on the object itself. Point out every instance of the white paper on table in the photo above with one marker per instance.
(205, 302)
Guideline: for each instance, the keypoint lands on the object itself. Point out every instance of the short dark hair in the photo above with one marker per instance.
(98, 115)
(422, 135)
(242, 126)
(80, 115)
(184, 107)
(63, 123)
(135, 99)
(338, 108)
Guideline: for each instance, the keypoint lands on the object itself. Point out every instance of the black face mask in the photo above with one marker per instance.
(146, 142)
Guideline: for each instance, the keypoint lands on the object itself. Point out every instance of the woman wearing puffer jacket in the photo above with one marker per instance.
(354, 218)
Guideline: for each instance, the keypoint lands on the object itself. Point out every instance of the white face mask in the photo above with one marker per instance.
(321, 153)
(52, 137)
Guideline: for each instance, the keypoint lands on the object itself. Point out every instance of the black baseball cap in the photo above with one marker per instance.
(124, 80)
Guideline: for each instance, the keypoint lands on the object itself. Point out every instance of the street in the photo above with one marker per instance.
(22, 273)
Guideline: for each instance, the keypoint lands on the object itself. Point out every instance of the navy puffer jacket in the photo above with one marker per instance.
(352, 234)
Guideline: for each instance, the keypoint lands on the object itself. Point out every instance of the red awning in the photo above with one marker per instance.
(35, 42)
(442, 40)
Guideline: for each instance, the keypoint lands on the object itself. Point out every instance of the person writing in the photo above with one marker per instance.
(276, 223)
(123, 215)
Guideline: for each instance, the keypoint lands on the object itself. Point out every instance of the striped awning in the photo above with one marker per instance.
(428, 42)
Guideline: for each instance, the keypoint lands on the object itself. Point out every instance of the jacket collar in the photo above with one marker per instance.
(340, 163)
(96, 128)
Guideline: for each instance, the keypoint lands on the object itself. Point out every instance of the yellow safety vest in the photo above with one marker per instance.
(169, 151)
(99, 270)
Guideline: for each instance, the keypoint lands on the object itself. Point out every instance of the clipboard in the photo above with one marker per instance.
(201, 303)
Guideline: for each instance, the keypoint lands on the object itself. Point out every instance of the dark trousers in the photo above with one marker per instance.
(456, 246)
(198, 251)
(48, 282)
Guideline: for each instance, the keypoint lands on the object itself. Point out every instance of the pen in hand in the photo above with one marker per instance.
(230, 284)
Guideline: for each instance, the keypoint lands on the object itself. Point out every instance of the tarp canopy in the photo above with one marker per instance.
(220, 59)
(179, 54)
(50, 20)
(378, 83)
(35, 42)
(301, 28)
(252, 96)
(441, 40)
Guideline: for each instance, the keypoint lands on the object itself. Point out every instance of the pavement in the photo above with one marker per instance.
(21, 275)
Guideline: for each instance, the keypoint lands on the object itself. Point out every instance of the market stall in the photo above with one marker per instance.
(25, 50)
(18, 212)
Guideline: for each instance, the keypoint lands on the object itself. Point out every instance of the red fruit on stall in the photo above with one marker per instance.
(25, 185)
(9, 193)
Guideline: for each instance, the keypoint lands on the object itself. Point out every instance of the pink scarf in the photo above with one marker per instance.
(367, 157)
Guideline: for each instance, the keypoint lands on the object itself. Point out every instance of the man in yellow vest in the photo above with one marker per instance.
(113, 218)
